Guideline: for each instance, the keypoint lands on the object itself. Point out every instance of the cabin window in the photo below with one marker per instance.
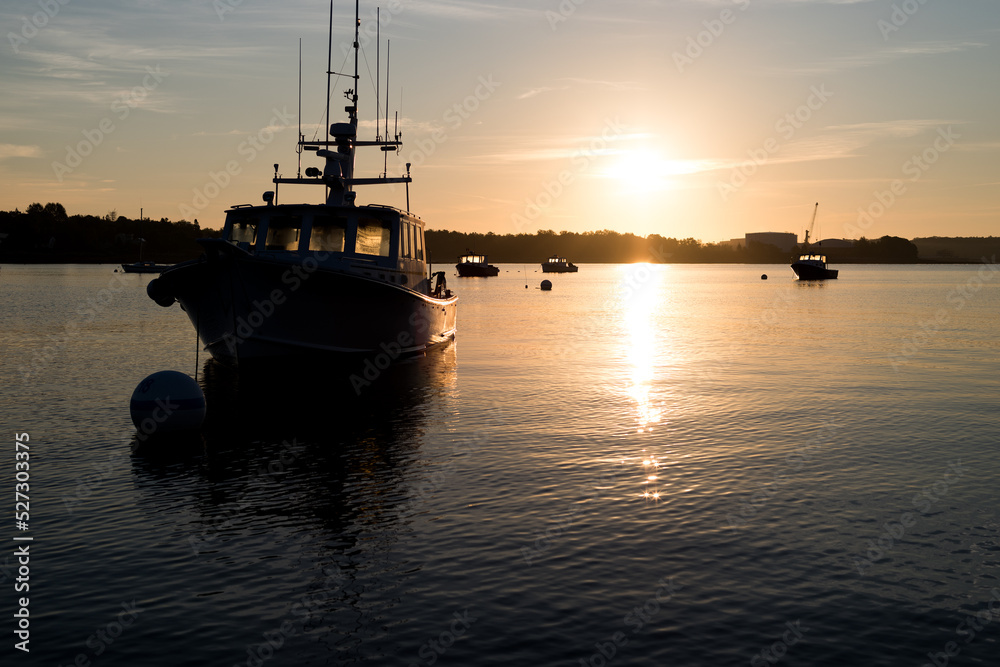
(373, 237)
(327, 234)
(243, 232)
(418, 237)
(283, 232)
(404, 239)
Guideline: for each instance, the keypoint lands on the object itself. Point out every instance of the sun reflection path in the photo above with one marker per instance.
(640, 308)
(651, 476)
(643, 294)
(651, 466)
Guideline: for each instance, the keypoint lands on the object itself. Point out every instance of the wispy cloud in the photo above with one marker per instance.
(881, 56)
(468, 10)
(534, 92)
(570, 83)
(528, 149)
(837, 142)
(13, 150)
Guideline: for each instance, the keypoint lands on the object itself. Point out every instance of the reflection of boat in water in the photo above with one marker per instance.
(557, 264)
(812, 266)
(316, 279)
(271, 486)
(471, 264)
(145, 267)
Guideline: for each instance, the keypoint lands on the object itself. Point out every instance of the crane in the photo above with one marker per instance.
(811, 225)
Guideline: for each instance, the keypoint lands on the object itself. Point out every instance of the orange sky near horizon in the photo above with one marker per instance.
(685, 118)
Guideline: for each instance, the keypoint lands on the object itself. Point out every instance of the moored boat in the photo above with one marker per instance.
(333, 278)
(141, 266)
(557, 264)
(472, 265)
(812, 266)
(145, 267)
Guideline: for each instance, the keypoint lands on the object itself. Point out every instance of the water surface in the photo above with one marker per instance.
(648, 465)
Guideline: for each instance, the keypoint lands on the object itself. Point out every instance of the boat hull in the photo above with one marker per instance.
(570, 268)
(145, 267)
(470, 270)
(810, 272)
(246, 308)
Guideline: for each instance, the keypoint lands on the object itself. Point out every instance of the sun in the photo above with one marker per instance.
(642, 170)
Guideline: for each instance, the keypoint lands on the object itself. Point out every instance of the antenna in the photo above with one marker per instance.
(329, 71)
(388, 45)
(140, 234)
(357, 45)
(378, 71)
(385, 154)
(298, 146)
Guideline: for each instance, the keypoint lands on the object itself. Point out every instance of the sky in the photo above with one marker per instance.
(702, 119)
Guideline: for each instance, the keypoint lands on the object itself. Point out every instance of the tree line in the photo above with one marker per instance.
(45, 233)
(612, 247)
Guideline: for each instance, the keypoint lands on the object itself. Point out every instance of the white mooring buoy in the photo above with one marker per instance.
(167, 402)
(546, 285)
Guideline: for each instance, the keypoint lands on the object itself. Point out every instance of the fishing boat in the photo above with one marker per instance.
(813, 267)
(809, 265)
(337, 278)
(557, 264)
(472, 265)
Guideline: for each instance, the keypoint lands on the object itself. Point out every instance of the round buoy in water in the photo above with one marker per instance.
(167, 401)
(546, 285)
(763, 276)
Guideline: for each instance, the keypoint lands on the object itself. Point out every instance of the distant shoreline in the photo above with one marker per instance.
(47, 235)
(921, 262)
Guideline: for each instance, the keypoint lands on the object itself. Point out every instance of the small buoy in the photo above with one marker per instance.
(546, 285)
(763, 276)
(167, 401)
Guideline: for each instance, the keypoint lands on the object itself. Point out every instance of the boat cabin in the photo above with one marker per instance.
(472, 259)
(379, 242)
(813, 258)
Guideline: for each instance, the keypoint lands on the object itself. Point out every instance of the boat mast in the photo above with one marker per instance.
(329, 74)
(385, 149)
(357, 27)
(339, 147)
(298, 146)
(329, 71)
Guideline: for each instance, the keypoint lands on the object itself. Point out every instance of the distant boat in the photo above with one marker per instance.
(812, 266)
(145, 267)
(557, 264)
(473, 265)
(141, 266)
